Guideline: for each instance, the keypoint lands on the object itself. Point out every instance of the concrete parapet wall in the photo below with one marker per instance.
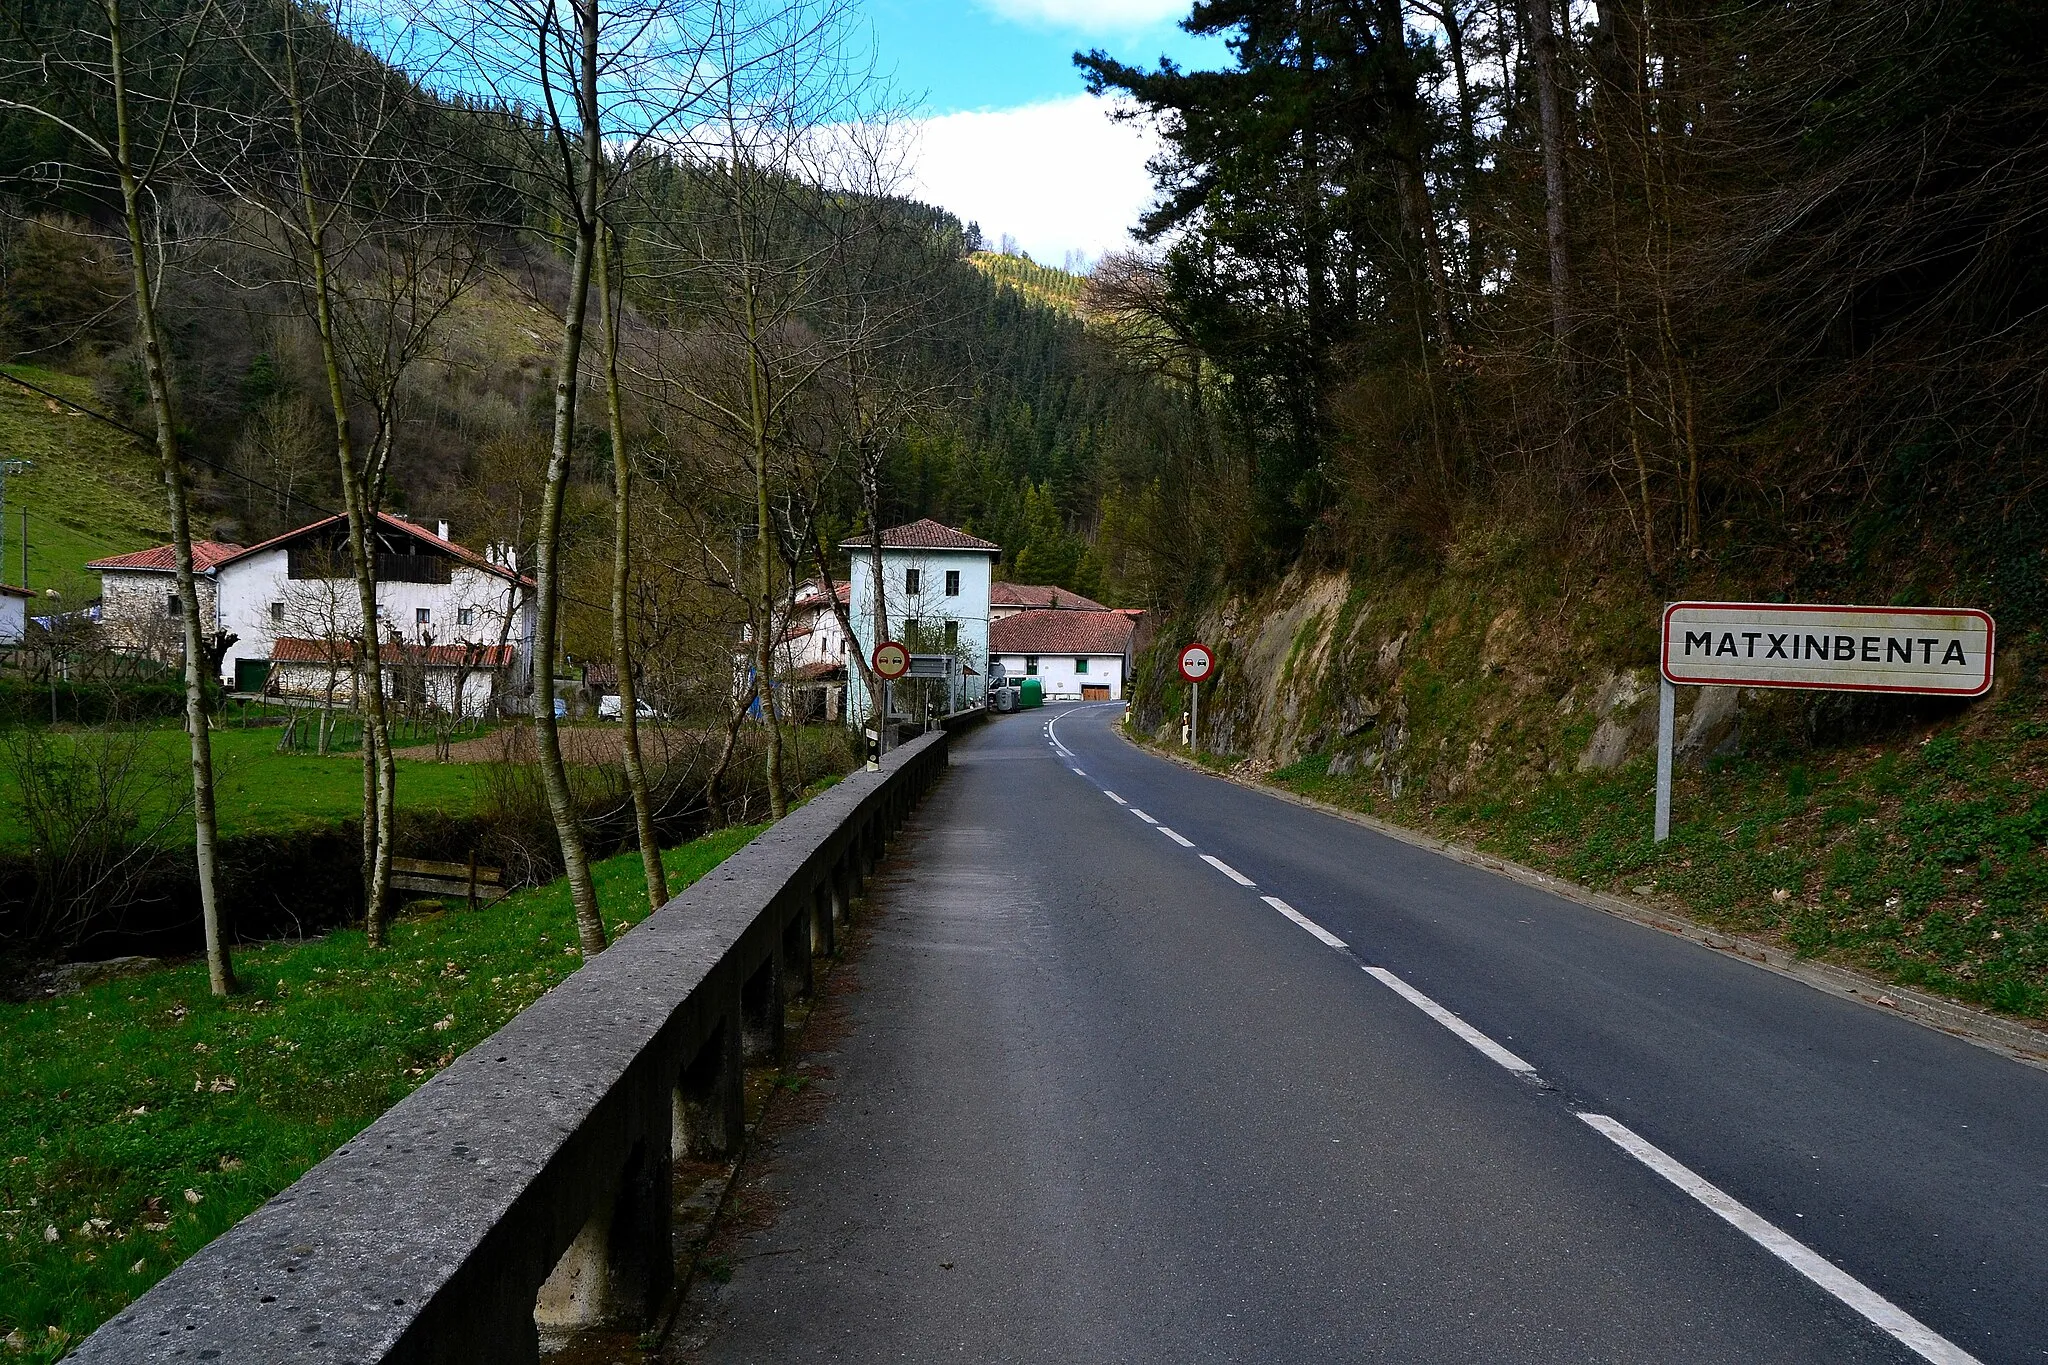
(532, 1176)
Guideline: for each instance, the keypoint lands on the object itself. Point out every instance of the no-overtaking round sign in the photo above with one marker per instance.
(891, 660)
(1836, 649)
(1196, 661)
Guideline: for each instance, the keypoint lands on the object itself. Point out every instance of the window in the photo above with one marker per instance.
(952, 634)
(465, 616)
(422, 616)
(171, 605)
(1080, 665)
(277, 612)
(1030, 665)
(952, 582)
(910, 580)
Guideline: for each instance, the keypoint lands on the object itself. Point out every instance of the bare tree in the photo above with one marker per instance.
(117, 95)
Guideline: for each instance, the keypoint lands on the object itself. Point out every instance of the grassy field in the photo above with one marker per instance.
(259, 789)
(141, 1118)
(94, 490)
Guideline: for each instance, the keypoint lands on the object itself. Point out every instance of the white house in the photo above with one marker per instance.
(13, 613)
(461, 679)
(139, 611)
(811, 655)
(1075, 655)
(936, 583)
(291, 602)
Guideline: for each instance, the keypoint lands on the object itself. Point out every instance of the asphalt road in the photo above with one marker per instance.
(1099, 1100)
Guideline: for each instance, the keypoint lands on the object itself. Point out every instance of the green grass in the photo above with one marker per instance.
(122, 1099)
(94, 490)
(260, 790)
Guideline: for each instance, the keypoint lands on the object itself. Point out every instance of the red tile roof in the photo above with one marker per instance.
(293, 650)
(1061, 632)
(206, 554)
(1040, 595)
(925, 535)
(12, 591)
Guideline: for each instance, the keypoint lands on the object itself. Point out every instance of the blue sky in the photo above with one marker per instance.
(1009, 138)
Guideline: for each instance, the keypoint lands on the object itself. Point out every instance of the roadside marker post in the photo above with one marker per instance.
(1914, 651)
(1197, 661)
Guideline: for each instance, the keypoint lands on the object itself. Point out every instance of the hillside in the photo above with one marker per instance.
(93, 491)
(1044, 284)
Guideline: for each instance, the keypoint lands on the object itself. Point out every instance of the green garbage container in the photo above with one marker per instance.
(1033, 694)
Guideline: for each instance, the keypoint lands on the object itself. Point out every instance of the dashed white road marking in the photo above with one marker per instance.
(1227, 870)
(1142, 816)
(1908, 1330)
(1079, 773)
(1304, 921)
(1493, 1050)
(1114, 797)
(1184, 843)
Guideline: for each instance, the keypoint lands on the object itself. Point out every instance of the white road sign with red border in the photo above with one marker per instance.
(1933, 651)
(1196, 661)
(891, 660)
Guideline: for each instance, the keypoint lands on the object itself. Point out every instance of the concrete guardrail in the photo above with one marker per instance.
(528, 1185)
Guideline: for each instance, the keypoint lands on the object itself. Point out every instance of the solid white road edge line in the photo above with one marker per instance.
(1114, 797)
(1304, 921)
(1141, 815)
(1227, 870)
(1907, 1329)
(1451, 1021)
(1184, 843)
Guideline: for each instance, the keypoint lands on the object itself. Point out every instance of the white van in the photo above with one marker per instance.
(609, 708)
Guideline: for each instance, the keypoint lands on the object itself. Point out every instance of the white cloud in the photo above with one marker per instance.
(1059, 176)
(1095, 16)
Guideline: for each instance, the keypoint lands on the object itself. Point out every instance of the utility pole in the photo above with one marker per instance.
(8, 467)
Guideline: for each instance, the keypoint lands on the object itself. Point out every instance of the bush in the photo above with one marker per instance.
(23, 702)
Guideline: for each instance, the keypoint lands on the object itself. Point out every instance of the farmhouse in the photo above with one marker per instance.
(1080, 655)
(13, 614)
(291, 607)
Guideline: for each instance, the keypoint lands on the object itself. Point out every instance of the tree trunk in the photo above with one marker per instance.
(622, 560)
(547, 549)
(380, 772)
(1550, 111)
(205, 824)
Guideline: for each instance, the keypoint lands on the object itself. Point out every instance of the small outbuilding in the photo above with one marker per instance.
(1074, 655)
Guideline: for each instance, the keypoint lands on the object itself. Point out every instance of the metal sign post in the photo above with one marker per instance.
(1915, 651)
(890, 661)
(1197, 661)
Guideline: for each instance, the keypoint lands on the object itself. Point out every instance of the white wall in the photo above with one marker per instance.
(327, 608)
(929, 604)
(13, 618)
(1060, 679)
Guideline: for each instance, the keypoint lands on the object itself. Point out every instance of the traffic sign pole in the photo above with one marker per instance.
(1195, 718)
(1667, 706)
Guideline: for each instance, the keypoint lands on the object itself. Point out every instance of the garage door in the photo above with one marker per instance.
(1094, 693)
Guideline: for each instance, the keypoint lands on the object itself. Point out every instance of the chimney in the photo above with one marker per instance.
(441, 529)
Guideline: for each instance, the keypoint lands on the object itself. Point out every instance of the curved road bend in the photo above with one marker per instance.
(1102, 1101)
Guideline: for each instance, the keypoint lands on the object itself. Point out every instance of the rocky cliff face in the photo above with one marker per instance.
(1483, 672)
